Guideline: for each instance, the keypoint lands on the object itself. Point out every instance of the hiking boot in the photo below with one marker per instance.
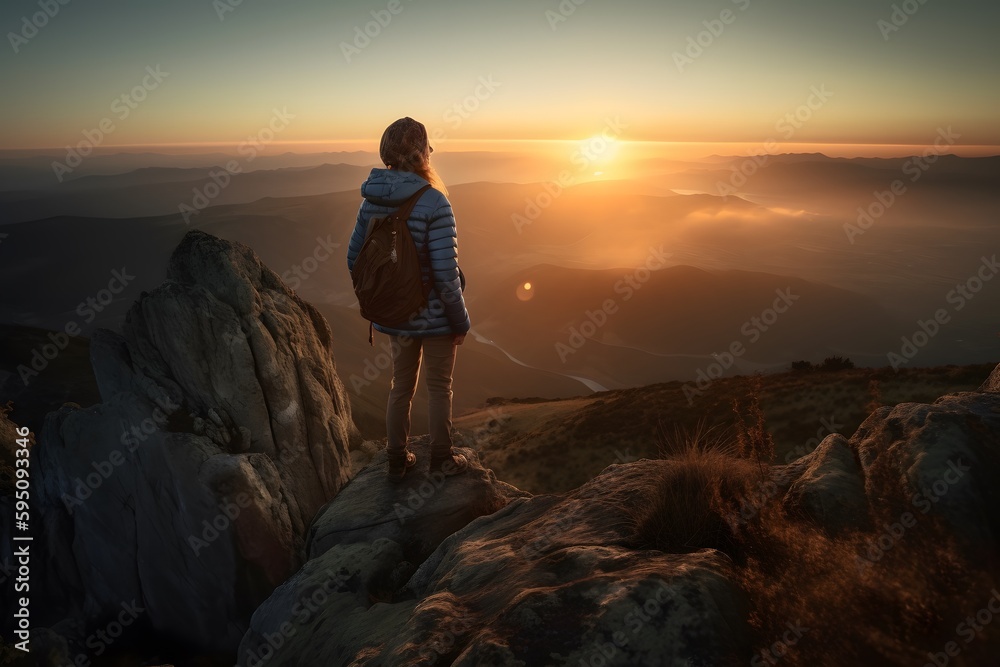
(449, 464)
(399, 466)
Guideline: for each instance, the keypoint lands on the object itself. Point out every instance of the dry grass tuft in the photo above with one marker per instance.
(689, 501)
(858, 610)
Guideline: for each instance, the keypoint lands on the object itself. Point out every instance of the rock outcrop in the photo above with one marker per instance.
(828, 487)
(223, 428)
(424, 515)
(940, 459)
(394, 576)
(540, 580)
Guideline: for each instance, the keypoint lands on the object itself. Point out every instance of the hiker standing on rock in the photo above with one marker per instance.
(379, 254)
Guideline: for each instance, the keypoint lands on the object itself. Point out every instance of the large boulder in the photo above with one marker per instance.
(426, 510)
(223, 427)
(541, 580)
(829, 487)
(940, 459)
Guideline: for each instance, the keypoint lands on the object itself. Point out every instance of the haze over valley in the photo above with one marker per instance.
(591, 265)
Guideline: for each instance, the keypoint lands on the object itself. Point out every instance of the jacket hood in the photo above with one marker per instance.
(390, 187)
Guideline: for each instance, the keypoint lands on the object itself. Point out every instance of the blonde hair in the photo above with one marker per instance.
(405, 146)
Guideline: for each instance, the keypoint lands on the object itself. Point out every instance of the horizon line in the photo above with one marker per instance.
(374, 142)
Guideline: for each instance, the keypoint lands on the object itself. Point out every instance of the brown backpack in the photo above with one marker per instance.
(386, 275)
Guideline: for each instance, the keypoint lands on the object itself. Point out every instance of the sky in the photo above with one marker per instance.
(851, 71)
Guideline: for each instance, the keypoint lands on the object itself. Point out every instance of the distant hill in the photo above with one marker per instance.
(614, 324)
(162, 190)
(32, 170)
(823, 181)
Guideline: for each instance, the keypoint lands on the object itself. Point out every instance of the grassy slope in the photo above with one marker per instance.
(548, 446)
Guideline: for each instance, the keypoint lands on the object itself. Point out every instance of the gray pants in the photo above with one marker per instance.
(437, 355)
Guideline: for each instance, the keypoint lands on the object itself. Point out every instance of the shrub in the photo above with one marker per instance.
(836, 364)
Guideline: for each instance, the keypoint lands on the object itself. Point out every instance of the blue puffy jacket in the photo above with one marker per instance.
(432, 225)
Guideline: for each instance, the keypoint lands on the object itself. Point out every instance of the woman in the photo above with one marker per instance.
(431, 337)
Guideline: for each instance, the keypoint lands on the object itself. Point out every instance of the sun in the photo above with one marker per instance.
(597, 152)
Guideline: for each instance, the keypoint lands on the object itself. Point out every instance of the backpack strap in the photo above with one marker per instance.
(403, 213)
(404, 208)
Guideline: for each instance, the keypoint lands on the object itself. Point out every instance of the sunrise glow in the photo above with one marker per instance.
(769, 75)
